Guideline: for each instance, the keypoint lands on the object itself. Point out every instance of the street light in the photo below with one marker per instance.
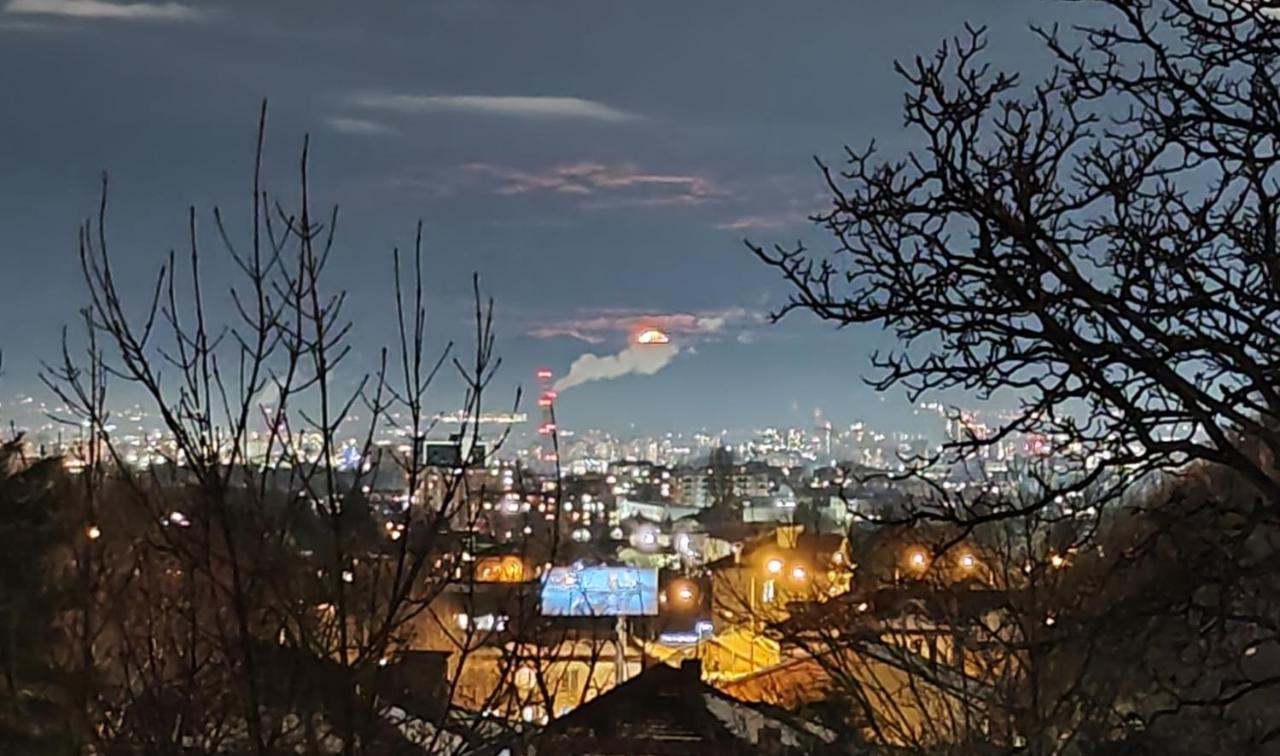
(682, 590)
(918, 559)
(967, 561)
(774, 566)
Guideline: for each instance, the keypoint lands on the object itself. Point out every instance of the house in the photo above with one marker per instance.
(902, 653)
(670, 710)
(728, 655)
(756, 582)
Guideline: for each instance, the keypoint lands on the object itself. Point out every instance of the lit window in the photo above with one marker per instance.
(526, 677)
(483, 622)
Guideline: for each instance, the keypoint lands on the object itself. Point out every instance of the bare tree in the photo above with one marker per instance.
(1099, 249)
(1099, 246)
(243, 587)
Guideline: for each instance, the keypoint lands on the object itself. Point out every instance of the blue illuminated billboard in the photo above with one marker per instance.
(600, 592)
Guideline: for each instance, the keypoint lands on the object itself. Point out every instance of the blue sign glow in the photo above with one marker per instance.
(350, 458)
(600, 591)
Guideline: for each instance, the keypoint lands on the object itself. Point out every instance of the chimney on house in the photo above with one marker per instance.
(691, 670)
(769, 741)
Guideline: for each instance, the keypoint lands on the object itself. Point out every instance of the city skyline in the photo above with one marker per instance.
(589, 198)
(484, 377)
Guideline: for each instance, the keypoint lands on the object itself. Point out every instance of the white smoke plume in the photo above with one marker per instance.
(637, 358)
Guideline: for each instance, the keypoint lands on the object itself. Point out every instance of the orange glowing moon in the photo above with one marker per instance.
(652, 336)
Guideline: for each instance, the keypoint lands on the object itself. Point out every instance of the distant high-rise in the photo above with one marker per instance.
(547, 405)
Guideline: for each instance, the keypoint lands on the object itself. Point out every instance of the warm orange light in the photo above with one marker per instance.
(798, 573)
(507, 569)
(967, 561)
(685, 591)
(917, 559)
(774, 566)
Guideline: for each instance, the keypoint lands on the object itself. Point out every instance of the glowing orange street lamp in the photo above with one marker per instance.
(683, 591)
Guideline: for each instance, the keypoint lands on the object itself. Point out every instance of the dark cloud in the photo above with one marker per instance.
(361, 126)
(599, 327)
(514, 106)
(128, 11)
(605, 185)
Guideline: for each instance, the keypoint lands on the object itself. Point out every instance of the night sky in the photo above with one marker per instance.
(597, 162)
